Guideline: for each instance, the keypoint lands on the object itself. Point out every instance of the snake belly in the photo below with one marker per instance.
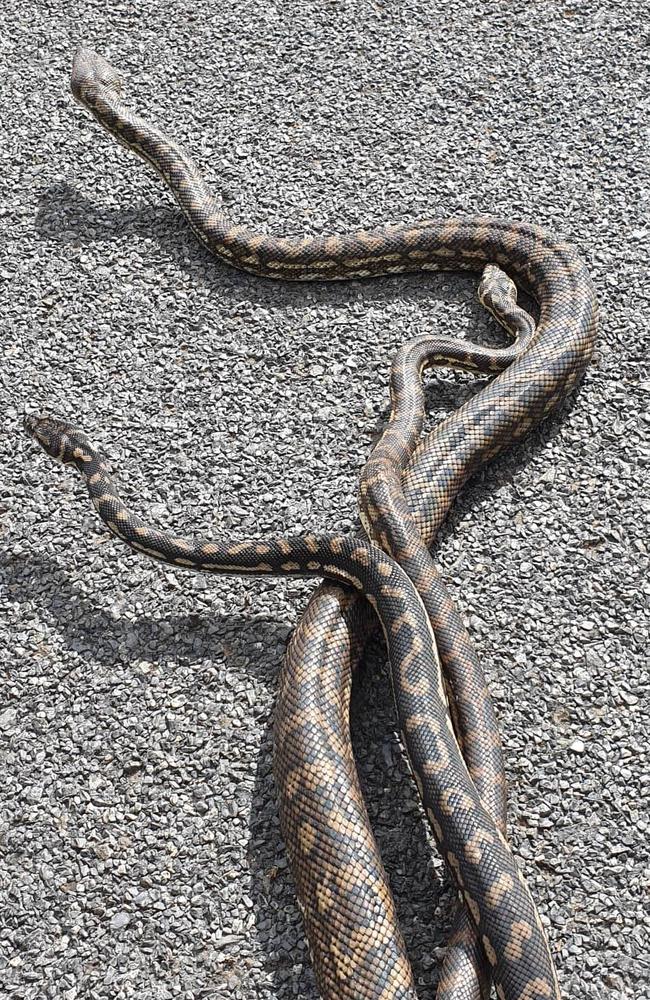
(517, 399)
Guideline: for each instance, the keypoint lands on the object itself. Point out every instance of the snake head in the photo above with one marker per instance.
(58, 438)
(91, 73)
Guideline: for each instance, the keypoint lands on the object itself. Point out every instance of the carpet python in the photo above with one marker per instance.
(402, 515)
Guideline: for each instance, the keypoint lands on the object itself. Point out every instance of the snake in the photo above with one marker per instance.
(472, 844)
(387, 518)
(317, 670)
(529, 388)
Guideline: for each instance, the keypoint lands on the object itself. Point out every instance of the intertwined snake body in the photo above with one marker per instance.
(543, 371)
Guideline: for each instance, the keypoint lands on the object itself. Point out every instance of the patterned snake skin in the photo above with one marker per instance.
(543, 371)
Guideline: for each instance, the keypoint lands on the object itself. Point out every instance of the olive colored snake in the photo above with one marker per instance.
(357, 948)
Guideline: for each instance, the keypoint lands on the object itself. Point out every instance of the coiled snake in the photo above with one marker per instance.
(542, 372)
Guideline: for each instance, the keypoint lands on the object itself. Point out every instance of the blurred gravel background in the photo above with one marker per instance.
(139, 838)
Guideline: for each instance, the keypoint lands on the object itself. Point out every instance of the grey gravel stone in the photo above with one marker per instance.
(136, 705)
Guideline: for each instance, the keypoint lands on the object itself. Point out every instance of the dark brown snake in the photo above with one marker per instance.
(358, 950)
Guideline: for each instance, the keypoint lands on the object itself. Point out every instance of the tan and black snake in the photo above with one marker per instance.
(540, 375)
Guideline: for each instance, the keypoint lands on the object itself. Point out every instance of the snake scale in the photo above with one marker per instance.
(358, 952)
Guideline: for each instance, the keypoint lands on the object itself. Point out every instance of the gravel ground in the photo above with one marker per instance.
(141, 854)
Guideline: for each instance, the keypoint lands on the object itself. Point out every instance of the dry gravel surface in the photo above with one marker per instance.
(139, 840)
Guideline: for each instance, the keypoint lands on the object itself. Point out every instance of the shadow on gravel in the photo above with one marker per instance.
(397, 819)
(90, 630)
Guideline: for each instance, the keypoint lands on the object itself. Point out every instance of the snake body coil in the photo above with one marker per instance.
(542, 373)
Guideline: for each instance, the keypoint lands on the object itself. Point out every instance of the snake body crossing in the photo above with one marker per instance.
(473, 846)
(543, 371)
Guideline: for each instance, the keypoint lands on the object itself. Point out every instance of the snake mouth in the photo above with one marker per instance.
(92, 73)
